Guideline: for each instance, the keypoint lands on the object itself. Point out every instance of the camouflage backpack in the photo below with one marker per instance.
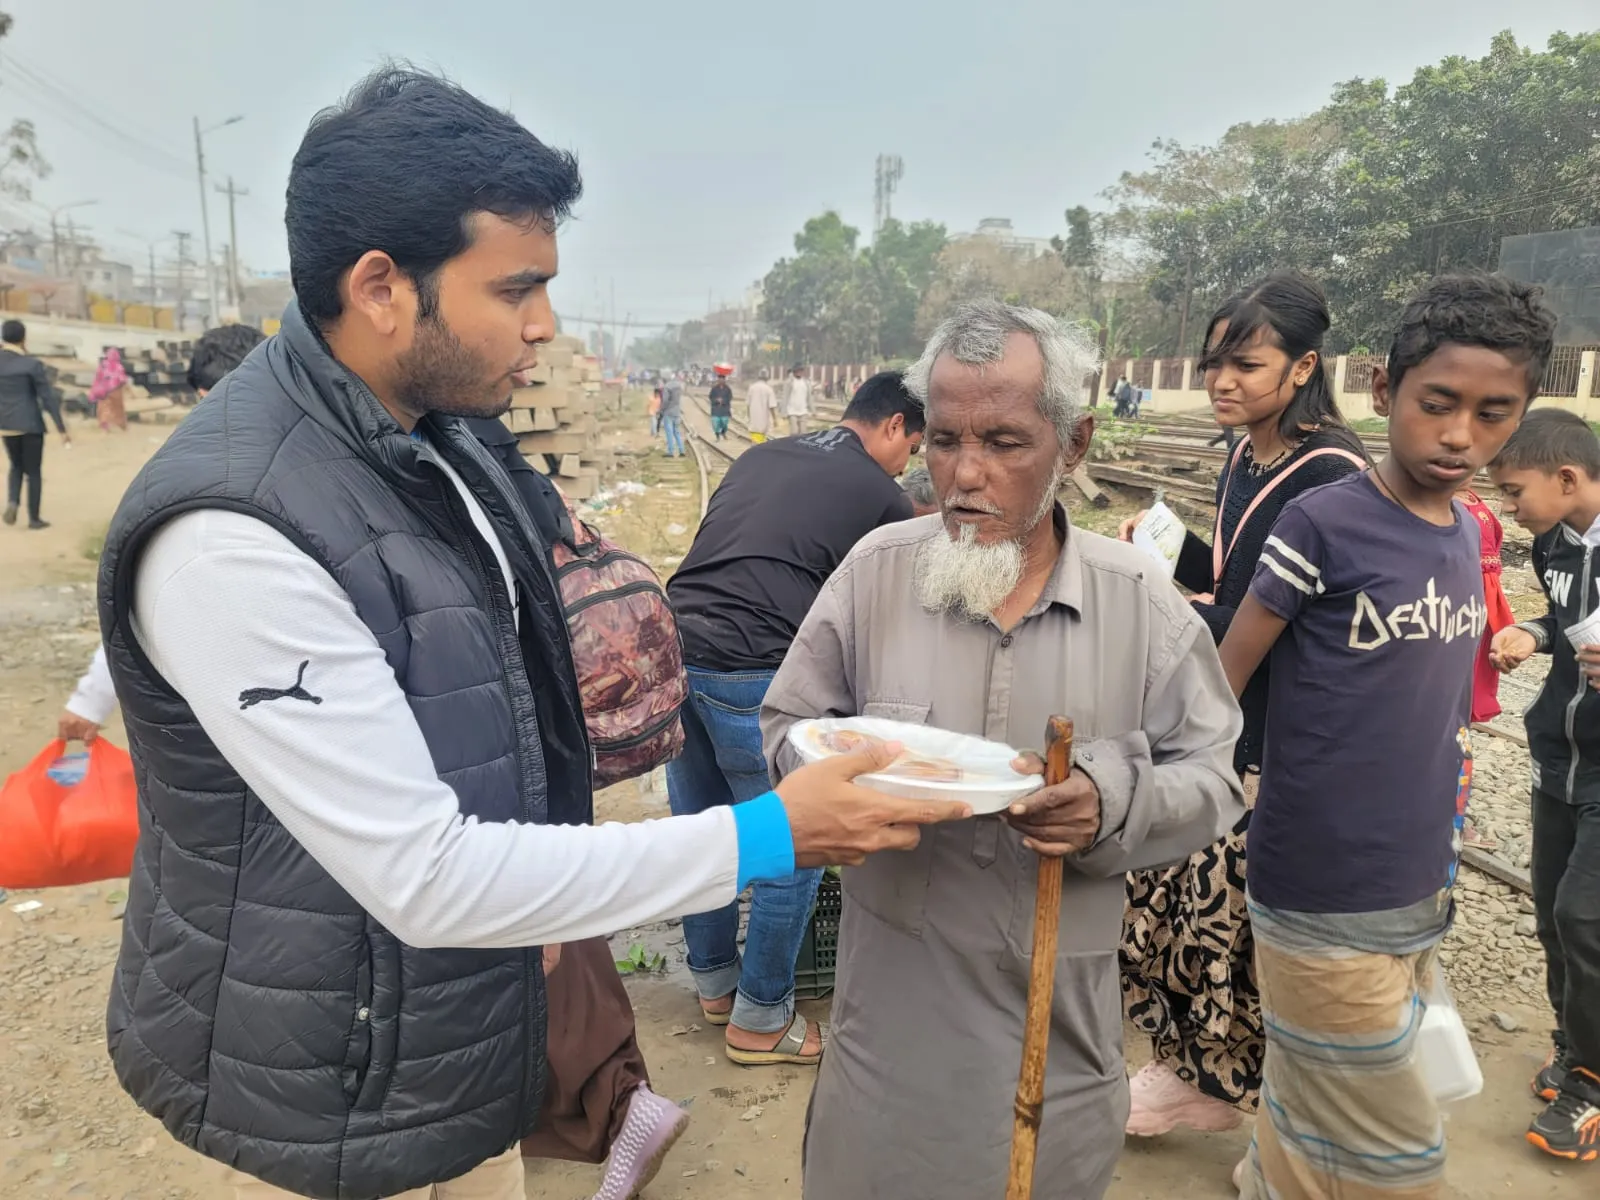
(627, 652)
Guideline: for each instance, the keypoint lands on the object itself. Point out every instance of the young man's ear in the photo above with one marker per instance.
(379, 292)
(1380, 391)
(1569, 480)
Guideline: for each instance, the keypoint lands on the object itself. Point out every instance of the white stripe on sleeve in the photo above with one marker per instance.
(1289, 552)
(1284, 573)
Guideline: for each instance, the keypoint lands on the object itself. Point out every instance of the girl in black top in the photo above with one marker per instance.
(1187, 976)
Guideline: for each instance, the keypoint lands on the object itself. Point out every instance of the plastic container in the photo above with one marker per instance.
(1444, 1051)
(819, 949)
(936, 765)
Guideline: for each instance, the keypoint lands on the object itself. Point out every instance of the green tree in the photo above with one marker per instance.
(1081, 250)
(1372, 194)
(805, 299)
(895, 272)
(835, 302)
(20, 161)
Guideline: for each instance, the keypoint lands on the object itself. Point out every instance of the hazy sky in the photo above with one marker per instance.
(708, 130)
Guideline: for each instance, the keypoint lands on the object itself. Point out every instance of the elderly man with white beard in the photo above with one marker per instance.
(987, 618)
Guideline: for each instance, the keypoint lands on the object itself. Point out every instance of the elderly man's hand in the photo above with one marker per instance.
(1058, 820)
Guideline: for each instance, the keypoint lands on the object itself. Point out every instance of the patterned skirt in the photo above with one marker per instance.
(1188, 970)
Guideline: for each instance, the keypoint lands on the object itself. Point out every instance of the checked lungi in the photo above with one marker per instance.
(1345, 1113)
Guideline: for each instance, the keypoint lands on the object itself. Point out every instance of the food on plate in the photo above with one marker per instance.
(846, 741)
(931, 762)
(932, 770)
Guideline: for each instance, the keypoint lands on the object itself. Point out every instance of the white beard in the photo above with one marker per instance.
(966, 577)
(971, 579)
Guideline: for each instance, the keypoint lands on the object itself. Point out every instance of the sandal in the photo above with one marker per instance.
(717, 1018)
(790, 1049)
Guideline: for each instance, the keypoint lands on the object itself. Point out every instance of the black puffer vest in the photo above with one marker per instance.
(267, 1019)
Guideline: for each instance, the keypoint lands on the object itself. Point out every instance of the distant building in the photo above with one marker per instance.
(99, 276)
(1566, 263)
(733, 334)
(265, 295)
(999, 231)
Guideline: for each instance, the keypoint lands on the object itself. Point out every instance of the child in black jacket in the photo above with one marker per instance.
(1549, 473)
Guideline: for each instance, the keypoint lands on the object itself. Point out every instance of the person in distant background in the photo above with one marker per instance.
(918, 485)
(1122, 394)
(672, 413)
(797, 400)
(762, 403)
(109, 391)
(94, 699)
(721, 408)
(25, 397)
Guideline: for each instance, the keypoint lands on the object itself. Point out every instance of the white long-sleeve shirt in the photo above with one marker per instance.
(224, 603)
(95, 697)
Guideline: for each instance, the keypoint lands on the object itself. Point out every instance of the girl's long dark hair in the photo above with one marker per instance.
(1295, 312)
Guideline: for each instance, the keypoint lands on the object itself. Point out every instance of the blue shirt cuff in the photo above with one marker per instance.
(766, 844)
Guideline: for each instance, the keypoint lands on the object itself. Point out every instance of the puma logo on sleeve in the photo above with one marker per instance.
(254, 696)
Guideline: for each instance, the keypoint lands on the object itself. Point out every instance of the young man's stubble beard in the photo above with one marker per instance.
(439, 374)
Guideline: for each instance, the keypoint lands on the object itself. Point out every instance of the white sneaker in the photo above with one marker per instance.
(1161, 1102)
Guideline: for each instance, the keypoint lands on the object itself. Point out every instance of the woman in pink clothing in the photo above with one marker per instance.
(108, 391)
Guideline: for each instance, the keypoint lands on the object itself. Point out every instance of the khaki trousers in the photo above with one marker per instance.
(498, 1179)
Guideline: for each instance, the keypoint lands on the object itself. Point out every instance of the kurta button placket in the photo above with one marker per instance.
(997, 705)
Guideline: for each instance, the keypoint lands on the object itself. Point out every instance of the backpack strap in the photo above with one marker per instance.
(1219, 557)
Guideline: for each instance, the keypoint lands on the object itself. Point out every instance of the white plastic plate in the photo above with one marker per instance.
(936, 764)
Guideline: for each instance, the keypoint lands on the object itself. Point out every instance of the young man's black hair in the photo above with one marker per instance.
(13, 332)
(219, 351)
(401, 132)
(881, 397)
(1475, 309)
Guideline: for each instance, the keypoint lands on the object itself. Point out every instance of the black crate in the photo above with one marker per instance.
(819, 952)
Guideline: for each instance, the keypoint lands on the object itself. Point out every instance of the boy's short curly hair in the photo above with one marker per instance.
(1475, 309)
(219, 351)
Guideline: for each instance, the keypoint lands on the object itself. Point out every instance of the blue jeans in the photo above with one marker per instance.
(722, 763)
(669, 425)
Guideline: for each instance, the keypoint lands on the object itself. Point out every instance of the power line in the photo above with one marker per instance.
(69, 94)
(63, 104)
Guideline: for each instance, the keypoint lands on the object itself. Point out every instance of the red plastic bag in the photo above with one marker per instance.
(53, 835)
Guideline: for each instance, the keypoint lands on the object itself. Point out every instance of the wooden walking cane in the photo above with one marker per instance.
(1041, 983)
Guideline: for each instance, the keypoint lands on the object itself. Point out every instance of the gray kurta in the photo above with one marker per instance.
(914, 1099)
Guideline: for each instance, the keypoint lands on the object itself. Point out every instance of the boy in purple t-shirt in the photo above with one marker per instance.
(1369, 597)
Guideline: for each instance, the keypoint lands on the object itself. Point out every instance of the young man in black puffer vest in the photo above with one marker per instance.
(362, 759)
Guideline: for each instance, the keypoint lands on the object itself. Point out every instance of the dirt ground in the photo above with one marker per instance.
(66, 1128)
